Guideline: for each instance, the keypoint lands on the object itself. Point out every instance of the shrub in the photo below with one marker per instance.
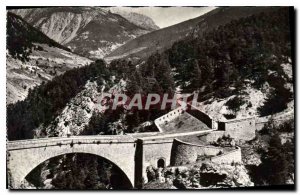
(235, 103)
(229, 116)
(277, 101)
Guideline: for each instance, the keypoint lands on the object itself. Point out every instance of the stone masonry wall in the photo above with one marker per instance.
(234, 156)
(205, 118)
(153, 150)
(212, 136)
(241, 129)
(186, 153)
(168, 117)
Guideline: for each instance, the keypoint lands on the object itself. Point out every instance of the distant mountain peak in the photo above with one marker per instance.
(140, 20)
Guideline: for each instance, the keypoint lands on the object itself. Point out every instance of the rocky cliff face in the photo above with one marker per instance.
(90, 31)
(137, 19)
(206, 175)
(78, 112)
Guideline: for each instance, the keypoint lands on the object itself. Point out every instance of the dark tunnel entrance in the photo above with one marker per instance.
(161, 163)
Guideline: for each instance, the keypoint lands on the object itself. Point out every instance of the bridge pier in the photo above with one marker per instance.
(149, 152)
(15, 183)
(138, 170)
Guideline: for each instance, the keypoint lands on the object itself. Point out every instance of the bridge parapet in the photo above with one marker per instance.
(33, 143)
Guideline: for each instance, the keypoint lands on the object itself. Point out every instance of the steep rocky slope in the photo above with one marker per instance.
(33, 58)
(90, 31)
(199, 176)
(252, 99)
(78, 112)
(143, 46)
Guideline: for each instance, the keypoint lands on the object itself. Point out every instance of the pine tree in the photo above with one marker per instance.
(274, 167)
(132, 87)
(196, 77)
(164, 77)
(91, 181)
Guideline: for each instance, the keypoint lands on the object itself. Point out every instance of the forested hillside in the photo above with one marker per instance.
(141, 48)
(252, 48)
(45, 102)
(247, 52)
(245, 48)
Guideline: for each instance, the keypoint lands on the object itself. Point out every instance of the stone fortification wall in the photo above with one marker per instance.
(186, 153)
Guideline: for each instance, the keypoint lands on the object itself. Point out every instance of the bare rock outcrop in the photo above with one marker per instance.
(207, 175)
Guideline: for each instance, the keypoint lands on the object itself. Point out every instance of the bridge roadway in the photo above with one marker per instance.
(97, 139)
(132, 153)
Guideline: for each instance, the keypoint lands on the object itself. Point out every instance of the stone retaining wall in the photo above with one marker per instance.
(186, 153)
(239, 129)
(234, 156)
(168, 117)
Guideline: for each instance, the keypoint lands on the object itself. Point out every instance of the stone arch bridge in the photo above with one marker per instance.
(131, 153)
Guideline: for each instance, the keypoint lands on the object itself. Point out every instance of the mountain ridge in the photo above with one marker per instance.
(143, 46)
(90, 31)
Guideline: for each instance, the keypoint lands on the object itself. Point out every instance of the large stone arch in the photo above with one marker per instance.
(23, 160)
(128, 180)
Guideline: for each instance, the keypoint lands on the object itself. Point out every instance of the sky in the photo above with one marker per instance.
(167, 16)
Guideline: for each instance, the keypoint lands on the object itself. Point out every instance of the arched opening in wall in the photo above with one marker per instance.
(161, 163)
(77, 171)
